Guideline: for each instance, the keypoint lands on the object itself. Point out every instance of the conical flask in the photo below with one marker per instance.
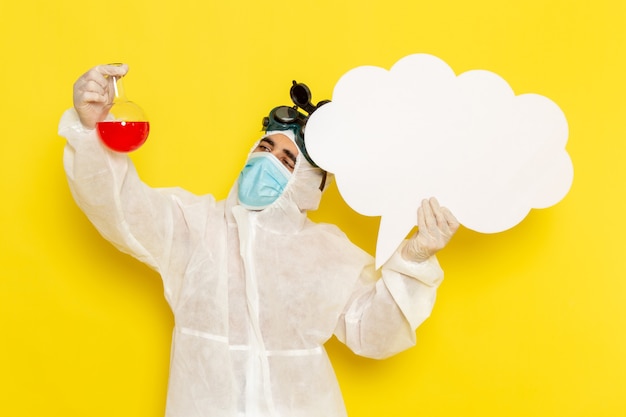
(127, 127)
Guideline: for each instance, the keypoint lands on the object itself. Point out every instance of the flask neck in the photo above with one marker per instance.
(120, 91)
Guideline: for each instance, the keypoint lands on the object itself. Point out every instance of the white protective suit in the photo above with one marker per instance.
(255, 294)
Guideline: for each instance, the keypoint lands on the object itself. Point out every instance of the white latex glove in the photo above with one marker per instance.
(436, 226)
(94, 93)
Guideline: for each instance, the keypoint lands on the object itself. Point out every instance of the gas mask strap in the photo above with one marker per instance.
(324, 175)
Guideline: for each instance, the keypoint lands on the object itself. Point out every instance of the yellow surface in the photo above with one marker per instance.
(529, 322)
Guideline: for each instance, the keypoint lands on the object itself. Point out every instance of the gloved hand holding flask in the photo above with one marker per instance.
(100, 101)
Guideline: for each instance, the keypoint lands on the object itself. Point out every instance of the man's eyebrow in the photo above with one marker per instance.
(268, 140)
(290, 155)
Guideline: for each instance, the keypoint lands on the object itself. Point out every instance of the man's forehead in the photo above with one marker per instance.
(282, 141)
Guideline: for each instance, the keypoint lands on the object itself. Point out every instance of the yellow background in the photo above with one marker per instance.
(529, 322)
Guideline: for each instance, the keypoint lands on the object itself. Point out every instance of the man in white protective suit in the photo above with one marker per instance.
(255, 287)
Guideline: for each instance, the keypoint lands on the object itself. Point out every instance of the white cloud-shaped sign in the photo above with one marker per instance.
(394, 137)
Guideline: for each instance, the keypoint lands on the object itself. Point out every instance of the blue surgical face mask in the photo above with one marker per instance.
(262, 181)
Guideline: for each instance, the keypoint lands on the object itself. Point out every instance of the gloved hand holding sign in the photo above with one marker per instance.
(436, 225)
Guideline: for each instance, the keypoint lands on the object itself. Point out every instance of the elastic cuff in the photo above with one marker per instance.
(429, 272)
(71, 122)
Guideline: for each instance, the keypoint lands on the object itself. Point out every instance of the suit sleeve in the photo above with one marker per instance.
(139, 220)
(387, 306)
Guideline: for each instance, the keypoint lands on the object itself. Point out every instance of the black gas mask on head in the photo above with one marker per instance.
(290, 118)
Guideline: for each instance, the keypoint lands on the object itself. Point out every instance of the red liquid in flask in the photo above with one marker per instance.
(123, 136)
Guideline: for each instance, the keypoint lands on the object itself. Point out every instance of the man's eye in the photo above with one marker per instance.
(288, 164)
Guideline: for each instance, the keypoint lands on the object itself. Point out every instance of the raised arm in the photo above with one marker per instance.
(136, 218)
(387, 307)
